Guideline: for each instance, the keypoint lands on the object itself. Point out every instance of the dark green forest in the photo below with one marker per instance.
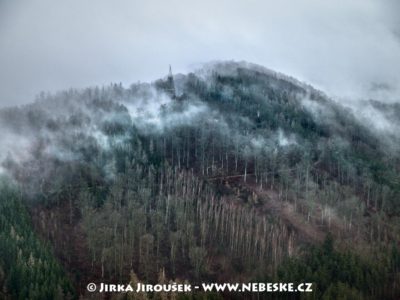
(233, 173)
(28, 268)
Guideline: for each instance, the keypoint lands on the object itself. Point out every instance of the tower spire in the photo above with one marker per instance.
(171, 84)
(170, 71)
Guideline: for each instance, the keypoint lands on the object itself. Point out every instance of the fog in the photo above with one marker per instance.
(349, 49)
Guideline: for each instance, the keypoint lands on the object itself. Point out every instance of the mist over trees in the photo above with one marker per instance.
(232, 173)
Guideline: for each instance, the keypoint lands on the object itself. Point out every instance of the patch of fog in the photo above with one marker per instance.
(159, 114)
(55, 151)
(371, 116)
(386, 128)
(14, 147)
(285, 140)
(189, 115)
(383, 123)
(146, 100)
(320, 112)
(101, 139)
(259, 144)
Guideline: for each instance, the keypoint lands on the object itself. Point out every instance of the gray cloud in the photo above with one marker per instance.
(346, 48)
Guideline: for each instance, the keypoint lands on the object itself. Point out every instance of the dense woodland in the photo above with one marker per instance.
(233, 173)
(28, 267)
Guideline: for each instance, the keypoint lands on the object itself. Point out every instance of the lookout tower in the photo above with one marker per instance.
(170, 84)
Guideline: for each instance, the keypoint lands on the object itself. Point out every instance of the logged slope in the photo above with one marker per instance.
(218, 175)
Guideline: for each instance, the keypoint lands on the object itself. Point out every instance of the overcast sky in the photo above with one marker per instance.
(349, 49)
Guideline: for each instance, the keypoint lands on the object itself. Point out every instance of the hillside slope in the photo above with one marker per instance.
(231, 173)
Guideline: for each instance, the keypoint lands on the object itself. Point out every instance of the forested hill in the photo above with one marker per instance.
(231, 173)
